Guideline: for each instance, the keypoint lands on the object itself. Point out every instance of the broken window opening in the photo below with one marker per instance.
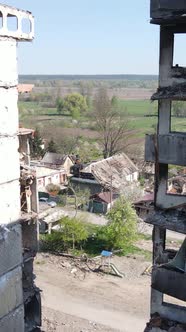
(176, 180)
(179, 50)
(12, 23)
(178, 116)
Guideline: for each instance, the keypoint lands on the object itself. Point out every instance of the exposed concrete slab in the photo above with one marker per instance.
(14, 322)
(11, 293)
(10, 248)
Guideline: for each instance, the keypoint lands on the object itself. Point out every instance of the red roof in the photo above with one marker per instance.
(146, 198)
(105, 197)
(25, 88)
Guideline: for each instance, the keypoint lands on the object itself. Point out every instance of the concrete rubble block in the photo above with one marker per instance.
(9, 158)
(10, 202)
(8, 63)
(11, 293)
(8, 111)
(14, 322)
(10, 248)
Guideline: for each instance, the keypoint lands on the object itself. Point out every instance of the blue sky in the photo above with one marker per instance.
(90, 37)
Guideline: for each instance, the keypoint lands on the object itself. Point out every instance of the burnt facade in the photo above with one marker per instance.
(167, 148)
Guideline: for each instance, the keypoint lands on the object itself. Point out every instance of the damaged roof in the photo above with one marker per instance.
(106, 197)
(54, 158)
(112, 172)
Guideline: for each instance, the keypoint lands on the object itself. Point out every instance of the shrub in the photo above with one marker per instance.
(53, 188)
(121, 230)
(73, 232)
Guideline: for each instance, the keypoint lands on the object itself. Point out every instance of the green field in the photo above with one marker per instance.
(142, 117)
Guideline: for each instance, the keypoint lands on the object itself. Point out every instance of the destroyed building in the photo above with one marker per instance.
(168, 296)
(114, 173)
(20, 304)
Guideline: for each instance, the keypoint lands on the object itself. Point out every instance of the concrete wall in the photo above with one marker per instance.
(11, 292)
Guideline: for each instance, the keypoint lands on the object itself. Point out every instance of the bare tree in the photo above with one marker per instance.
(112, 124)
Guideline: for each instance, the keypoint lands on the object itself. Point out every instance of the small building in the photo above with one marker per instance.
(57, 161)
(102, 202)
(145, 205)
(46, 175)
(25, 88)
(114, 173)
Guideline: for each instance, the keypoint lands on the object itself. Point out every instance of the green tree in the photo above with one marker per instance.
(74, 104)
(121, 229)
(52, 146)
(73, 232)
(59, 105)
(36, 145)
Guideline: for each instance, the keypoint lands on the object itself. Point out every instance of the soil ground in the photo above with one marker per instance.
(76, 301)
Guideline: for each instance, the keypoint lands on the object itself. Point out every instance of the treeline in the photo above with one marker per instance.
(107, 81)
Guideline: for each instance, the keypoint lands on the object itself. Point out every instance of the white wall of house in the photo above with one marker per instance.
(132, 177)
(56, 178)
(67, 165)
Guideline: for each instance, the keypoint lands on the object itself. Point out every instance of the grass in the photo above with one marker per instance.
(33, 114)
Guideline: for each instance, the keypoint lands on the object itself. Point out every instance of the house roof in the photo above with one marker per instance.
(25, 131)
(25, 88)
(146, 198)
(54, 158)
(112, 172)
(45, 171)
(106, 197)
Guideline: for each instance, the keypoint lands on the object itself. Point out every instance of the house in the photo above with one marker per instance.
(102, 202)
(114, 173)
(46, 175)
(145, 205)
(57, 161)
(25, 88)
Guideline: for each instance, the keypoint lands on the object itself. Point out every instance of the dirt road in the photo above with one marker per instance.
(99, 302)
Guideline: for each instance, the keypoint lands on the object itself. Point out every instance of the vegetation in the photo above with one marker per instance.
(113, 125)
(119, 233)
(36, 145)
(121, 229)
(53, 188)
(179, 109)
(52, 146)
(73, 104)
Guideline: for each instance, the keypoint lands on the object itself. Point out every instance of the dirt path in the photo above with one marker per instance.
(111, 303)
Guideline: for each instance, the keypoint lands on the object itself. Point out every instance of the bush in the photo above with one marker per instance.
(52, 242)
(121, 230)
(72, 235)
(53, 188)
